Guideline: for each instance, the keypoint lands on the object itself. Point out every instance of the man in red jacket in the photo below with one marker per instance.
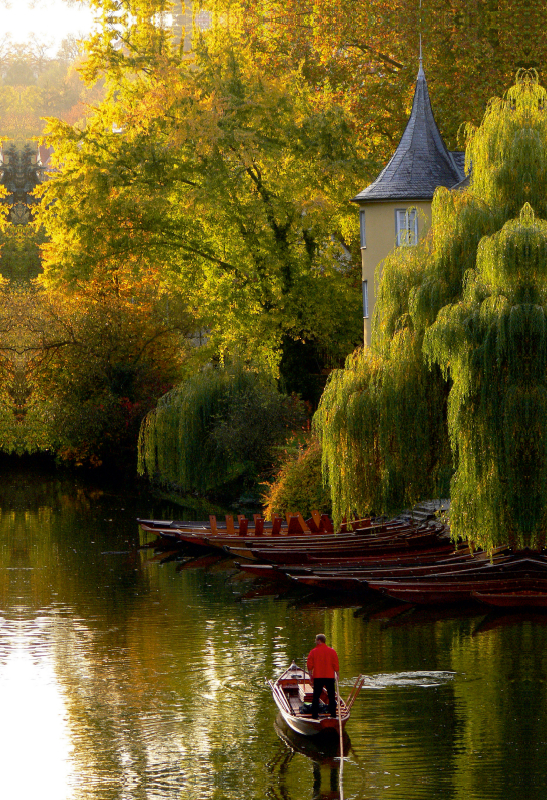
(323, 668)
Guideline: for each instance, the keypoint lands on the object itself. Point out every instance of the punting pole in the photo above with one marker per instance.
(357, 686)
(339, 704)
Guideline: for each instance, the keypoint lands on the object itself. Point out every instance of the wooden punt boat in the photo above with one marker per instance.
(400, 557)
(293, 688)
(446, 570)
(296, 543)
(443, 591)
(324, 750)
(341, 565)
(294, 528)
(327, 549)
(252, 546)
(519, 599)
(317, 523)
(268, 537)
(363, 582)
(295, 524)
(455, 566)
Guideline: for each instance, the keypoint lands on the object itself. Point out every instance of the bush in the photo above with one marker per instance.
(95, 361)
(219, 429)
(299, 485)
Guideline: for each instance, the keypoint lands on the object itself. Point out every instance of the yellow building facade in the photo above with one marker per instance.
(395, 209)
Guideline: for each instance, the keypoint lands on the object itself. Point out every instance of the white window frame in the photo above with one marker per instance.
(365, 299)
(362, 229)
(406, 226)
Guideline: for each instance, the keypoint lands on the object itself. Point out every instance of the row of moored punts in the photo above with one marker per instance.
(412, 562)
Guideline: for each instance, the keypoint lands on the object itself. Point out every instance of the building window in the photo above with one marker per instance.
(406, 226)
(362, 228)
(365, 299)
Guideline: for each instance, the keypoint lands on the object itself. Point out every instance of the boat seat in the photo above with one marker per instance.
(295, 704)
(305, 692)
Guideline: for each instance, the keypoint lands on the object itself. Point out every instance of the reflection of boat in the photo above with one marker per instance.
(520, 583)
(322, 750)
(498, 618)
(292, 693)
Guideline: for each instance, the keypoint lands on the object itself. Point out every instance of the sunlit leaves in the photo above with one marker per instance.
(230, 181)
(97, 360)
(367, 53)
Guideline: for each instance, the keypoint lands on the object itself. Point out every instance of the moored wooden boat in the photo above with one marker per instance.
(516, 599)
(293, 688)
(334, 546)
(294, 524)
(443, 590)
(294, 528)
(357, 578)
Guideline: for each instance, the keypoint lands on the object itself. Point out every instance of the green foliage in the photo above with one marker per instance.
(93, 365)
(458, 350)
(381, 426)
(299, 485)
(494, 346)
(367, 52)
(231, 181)
(218, 428)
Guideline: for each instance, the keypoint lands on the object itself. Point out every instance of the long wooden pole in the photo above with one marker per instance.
(339, 703)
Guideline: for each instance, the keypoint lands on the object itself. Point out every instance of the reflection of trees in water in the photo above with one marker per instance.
(72, 572)
(134, 646)
(162, 673)
(502, 716)
(56, 529)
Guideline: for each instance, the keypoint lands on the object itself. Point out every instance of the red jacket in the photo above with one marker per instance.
(323, 662)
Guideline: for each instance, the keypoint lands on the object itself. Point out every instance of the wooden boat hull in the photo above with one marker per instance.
(518, 599)
(418, 595)
(311, 727)
(456, 590)
(338, 546)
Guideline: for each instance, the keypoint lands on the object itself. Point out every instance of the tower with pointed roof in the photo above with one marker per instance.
(395, 209)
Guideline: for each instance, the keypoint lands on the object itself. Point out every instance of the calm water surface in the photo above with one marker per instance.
(124, 678)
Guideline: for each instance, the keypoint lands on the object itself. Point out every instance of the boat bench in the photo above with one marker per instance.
(305, 692)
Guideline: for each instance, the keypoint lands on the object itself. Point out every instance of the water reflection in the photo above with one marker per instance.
(323, 752)
(34, 717)
(128, 679)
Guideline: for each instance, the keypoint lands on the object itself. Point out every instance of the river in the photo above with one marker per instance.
(125, 678)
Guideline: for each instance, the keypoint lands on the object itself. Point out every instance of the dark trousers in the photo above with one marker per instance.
(318, 684)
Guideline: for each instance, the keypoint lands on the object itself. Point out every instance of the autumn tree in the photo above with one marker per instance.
(96, 361)
(36, 84)
(225, 171)
(367, 53)
(231, 181)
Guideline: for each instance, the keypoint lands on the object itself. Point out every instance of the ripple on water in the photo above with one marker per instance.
(395, 680)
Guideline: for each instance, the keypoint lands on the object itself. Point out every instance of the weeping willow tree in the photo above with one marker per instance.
(219, 427)
(455, 378)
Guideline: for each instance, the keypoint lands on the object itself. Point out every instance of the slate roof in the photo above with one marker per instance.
(421, 161)
(459, 158)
